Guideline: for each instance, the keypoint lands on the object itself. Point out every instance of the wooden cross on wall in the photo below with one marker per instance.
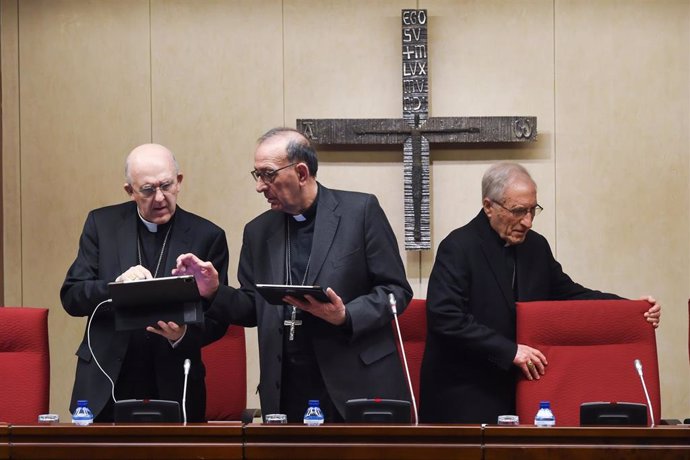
(416, 131)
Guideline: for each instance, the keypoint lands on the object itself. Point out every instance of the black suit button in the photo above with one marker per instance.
(277, 385)
(280, 359)
(280, 330)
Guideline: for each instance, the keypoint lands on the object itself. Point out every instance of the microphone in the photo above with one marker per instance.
(638, 366)
(394, 308)
(187, 365)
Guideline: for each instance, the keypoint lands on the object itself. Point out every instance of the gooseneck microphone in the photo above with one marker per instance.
(394, 308)
(638, 366)
(187, 365)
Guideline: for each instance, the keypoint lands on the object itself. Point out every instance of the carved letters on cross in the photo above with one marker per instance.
(416, 131)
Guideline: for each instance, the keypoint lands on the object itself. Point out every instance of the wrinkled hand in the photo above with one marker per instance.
(653, 315)
(531, 361)
(205, 273)
(170, 330)
(332, 312)
(134, 273)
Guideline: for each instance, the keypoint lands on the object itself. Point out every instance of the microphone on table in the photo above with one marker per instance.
(394, 308)
(187, 365)
(638, 366)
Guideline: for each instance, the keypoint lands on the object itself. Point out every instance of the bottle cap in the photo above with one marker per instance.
(544, 404)
(313, 402)
(82, 402)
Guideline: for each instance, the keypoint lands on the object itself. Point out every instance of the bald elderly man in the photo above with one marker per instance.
(139, 239)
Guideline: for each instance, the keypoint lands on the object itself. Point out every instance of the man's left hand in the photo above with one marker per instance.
(653, 315)
(332, 312)
(170, 330)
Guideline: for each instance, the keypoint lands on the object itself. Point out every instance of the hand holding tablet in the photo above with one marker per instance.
(274, 293)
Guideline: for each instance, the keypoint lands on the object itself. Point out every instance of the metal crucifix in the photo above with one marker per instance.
(416, 130)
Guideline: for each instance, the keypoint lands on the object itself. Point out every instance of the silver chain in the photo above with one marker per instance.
(160, 257)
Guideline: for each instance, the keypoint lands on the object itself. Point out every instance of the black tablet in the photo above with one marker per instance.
(274, 293)
(142, 303)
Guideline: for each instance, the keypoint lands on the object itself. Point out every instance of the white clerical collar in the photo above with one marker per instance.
(299, 218)
(153, 228)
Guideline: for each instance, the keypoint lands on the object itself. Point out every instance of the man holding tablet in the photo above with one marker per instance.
(135, 240)
(333, 351)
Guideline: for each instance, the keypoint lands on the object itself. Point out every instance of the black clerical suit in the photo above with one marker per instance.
(107, 248)
(353, 251)
(467, 373)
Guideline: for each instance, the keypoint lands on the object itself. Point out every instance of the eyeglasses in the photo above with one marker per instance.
(268, 176)
(147, 191)
(520, 213)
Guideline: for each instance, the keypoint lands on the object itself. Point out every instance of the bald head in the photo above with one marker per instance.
(153, 180)
(150, 156)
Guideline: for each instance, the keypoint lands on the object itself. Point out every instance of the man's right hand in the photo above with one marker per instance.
(531, 362)
(137, 272)
(205, 274)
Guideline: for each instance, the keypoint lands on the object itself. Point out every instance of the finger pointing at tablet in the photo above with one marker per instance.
(205, 273)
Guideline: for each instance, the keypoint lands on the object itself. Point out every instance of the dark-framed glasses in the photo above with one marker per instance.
(521, 212)
(268, 175)
(147, 191)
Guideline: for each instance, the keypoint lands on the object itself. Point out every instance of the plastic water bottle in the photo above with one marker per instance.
(82, 414)
(544, 415)
(313, 416)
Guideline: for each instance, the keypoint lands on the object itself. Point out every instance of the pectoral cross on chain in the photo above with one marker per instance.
(292, 322)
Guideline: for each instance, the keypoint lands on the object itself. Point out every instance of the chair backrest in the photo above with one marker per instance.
(591, 346)
(24, 363)
(226, 376)
(413, 332)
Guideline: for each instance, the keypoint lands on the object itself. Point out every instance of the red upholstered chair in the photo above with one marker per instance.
(413, 331)
(24, 364)
(591, 346)
(226, 377)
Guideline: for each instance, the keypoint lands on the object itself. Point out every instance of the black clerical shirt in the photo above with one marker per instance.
(137, 379)
(301, 380)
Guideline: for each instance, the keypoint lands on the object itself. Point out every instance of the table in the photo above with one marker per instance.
(232, 440)
(586, 443)
(126, 441)
(4, 441)
(362, 442)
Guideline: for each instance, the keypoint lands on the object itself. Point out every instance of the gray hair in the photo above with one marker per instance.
(499, 176)
(299, 148)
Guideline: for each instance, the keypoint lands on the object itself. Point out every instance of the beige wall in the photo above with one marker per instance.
(609, 80)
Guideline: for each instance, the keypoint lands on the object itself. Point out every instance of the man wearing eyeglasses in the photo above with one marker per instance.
(471, 357)
(139, 239)
(336, 350)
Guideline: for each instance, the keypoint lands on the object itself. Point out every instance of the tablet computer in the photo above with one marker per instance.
(142, 303)
(274, 293)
